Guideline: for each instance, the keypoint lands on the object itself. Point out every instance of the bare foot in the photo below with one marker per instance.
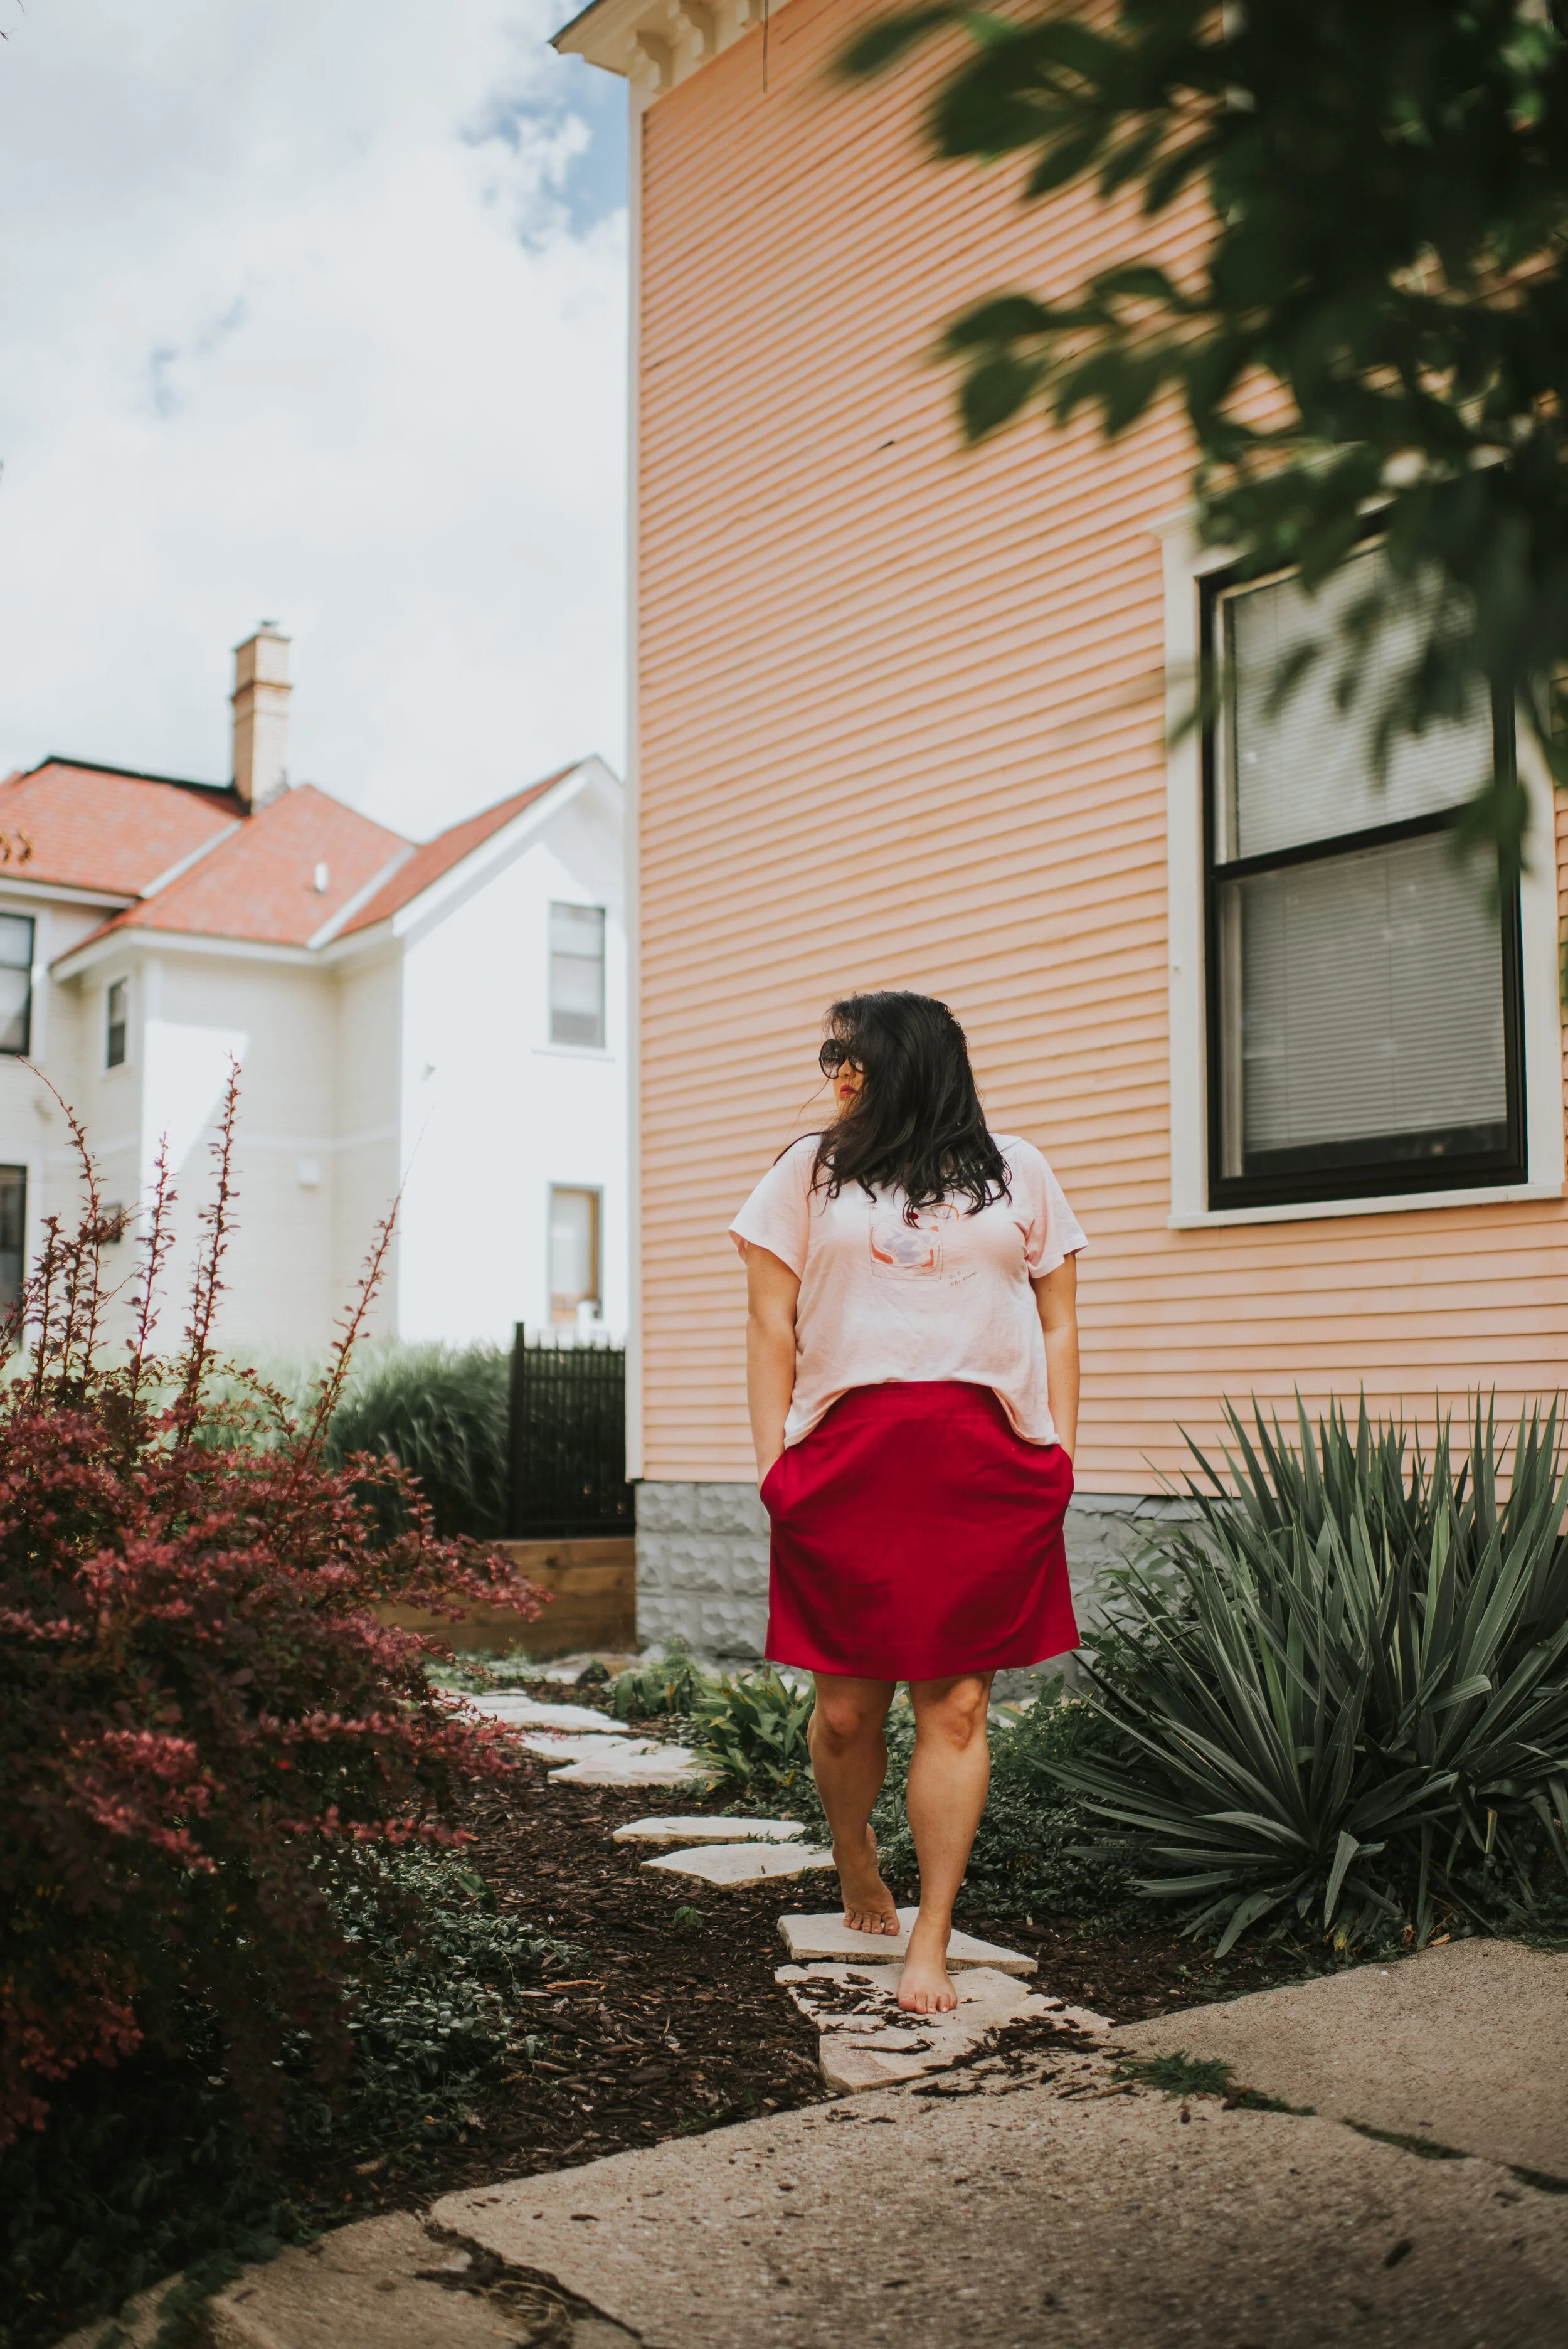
(925, 1987)
(868, 1906)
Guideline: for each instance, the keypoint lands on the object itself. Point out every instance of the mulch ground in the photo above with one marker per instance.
(663, 2028)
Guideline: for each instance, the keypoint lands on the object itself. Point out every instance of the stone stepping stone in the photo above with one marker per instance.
(636, 1762)
(828, 1937)
(527, 1713)
(741, 1863)
(675, 1830)
(866, 2041)
(580, 1748)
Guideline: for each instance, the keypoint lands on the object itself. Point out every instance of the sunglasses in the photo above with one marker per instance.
(833, 1055)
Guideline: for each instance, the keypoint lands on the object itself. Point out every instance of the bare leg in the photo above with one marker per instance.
(948, 1781)
(849, 1762)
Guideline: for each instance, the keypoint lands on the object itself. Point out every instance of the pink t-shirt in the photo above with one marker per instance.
(945, 1297)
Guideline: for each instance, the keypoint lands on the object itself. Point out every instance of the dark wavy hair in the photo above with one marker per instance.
(918, 1125)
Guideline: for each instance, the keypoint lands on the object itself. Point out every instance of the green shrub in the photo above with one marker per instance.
(1341, 1692)
(1039, 1847)
(752, 1732)
(149, 2169)
(442, 1411)
(673, 1684)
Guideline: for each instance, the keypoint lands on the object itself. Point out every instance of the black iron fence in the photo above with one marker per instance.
(568, 1442)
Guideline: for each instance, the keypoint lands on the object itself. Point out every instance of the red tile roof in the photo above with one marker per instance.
(101, 828)
(448, 848)
(104, 828)
(262, 882)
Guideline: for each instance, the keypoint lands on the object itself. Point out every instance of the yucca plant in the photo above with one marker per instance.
(1340, 1689)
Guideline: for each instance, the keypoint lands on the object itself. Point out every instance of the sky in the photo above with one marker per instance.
(312, 311)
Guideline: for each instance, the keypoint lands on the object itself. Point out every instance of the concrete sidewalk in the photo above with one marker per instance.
(1033, 2216)
(1053, 2205)
(1466, 2046)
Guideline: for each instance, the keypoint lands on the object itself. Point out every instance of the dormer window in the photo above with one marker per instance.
(117, 1000)
(16, 983)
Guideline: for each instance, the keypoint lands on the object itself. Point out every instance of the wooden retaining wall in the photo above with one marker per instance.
(593, 1602)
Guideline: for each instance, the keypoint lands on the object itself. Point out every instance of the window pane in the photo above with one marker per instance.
(573, 1251)
(577, 975)
(114, 1052)
(15, 1001)
(1369, 1023)
(1306, 772)
(15, 941)
(13, 1231)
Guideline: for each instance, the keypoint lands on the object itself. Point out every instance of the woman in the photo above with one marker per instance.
(913, 1375)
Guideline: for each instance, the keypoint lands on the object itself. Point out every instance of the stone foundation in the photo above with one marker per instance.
(702, 1561)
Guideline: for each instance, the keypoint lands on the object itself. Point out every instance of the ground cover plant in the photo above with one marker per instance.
(152, 2169)
(209, 1747)
(1337, 1699)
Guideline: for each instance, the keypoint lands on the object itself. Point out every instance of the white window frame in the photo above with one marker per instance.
(553, 1043)
(120, 978)
(1187, 563)
(594, 1191)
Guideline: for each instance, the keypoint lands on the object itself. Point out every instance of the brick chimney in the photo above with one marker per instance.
(261, 700)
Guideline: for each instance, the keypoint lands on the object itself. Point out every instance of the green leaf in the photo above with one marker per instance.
(1346, 1851)
(882, 43)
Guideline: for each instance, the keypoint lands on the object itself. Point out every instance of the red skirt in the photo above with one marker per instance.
(916, 1537)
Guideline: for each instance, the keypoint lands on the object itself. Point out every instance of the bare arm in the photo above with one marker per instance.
(1056, 1298)
(772, 1289)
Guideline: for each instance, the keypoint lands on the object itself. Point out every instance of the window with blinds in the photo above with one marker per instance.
(16, 983)
(1364, 998)
(577, 975)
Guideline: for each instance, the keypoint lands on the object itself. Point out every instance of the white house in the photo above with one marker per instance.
(440, 1023)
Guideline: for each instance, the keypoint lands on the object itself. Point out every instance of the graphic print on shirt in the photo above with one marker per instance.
(905, 1251)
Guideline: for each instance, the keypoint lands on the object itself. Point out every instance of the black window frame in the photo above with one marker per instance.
(112, 1027)
(1392, 1177)
(11, 1295)
(22, 1051)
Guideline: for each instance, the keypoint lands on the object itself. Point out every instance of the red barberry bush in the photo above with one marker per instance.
(208, 1739)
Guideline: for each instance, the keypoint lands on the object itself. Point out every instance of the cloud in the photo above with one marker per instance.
(318, 316)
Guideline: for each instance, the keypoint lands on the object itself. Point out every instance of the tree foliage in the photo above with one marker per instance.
(1387, 192)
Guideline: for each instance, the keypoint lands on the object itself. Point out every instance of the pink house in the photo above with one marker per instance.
(903, 718)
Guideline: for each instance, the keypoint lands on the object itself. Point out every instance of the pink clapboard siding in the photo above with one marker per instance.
(900, 723)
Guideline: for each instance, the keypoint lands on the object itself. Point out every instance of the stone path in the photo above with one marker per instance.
(680, 1830)
(828, 1936)
(589, 1748)
(867, 2042)
(527, 1713)
(636, 1762)
(740, 1863)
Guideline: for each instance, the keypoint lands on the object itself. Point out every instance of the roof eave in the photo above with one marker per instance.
(657, 43)
(121, 937)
